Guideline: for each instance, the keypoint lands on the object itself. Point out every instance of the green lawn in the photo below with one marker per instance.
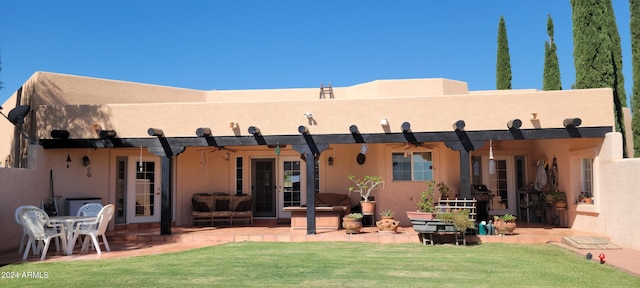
(332, 264)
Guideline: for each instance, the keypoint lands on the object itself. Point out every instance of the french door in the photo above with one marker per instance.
(501, 182)
(143, 189)
(291, 184)
(276, 184)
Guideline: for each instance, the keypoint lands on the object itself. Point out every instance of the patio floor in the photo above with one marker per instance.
(146, 241)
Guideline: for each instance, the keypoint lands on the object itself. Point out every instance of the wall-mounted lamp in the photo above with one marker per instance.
(308, 115)
(330, 161)
(85, 161)
(226, 156)
(384, 122)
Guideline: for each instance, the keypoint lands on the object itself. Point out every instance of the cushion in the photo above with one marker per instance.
(199, 206)
(244, 205)
(330, 199)
(222, 205)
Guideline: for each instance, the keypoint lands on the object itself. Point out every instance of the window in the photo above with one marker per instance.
(587, 179)
(412, 166)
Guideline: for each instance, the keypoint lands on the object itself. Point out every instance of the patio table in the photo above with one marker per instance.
(69, 222)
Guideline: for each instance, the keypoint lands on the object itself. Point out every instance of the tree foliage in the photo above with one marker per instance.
(594, 55)
(635, 61)
(551, 72)
(503, 66)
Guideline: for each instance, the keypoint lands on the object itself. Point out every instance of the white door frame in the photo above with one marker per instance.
(132, 171)
(511, 185)
(281, 183)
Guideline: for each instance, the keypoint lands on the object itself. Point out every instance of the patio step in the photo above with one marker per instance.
(589, 242)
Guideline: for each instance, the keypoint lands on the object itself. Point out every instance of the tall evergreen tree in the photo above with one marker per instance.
(503, 66)
(551, 73)
(635, 61)
(593, 52)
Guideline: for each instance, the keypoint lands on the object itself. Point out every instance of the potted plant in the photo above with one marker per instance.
(426, 209)
(504, 224)
(560, 199)
(538, 205)
(364, 187)
(387, 224)
(444, 190)
(352, 223)
(459, 219)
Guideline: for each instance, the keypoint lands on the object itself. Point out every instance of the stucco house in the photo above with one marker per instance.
(148, 148)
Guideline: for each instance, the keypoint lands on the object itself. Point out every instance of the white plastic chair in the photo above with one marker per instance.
(90, 209)
(25, 233)
(94, 229)
(40, 228)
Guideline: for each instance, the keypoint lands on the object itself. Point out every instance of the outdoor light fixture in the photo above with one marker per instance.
(308, 115)
(384, 122)
(226, 156)
(492, 164)
(68, 159)
(330, 161)
(86, 161)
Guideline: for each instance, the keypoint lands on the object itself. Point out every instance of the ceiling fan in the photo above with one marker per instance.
(414, 145)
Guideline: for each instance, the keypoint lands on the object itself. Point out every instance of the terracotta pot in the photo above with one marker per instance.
(503, 227)
(387, 225)
(368, 208)
(351, 225)
(561, 204)
(420, 215)
(588, 201)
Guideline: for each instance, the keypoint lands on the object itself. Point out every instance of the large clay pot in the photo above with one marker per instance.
(503, 227)
(368, 208)
(420, 215)
(351, 225)
(561, 205)
(387, 225)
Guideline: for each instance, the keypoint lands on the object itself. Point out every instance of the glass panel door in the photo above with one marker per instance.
(143, 193)
(263, 187)
(502, 186)
(291, 184)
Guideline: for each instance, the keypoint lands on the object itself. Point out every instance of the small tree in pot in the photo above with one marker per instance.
(364, 187)
(427, 204)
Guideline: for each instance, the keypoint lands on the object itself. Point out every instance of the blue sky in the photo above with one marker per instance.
(244, 44)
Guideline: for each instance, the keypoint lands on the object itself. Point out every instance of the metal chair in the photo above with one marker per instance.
(40, 228)
(95, 228)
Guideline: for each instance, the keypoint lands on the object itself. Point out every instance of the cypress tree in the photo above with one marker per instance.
(551, 73)
(503, 67)
(593, 52)
(635, 61)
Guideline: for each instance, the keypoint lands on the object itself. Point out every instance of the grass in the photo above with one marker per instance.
(332, 264)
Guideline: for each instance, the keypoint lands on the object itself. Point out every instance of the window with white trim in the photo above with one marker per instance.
(587, 180)
(412, 166)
